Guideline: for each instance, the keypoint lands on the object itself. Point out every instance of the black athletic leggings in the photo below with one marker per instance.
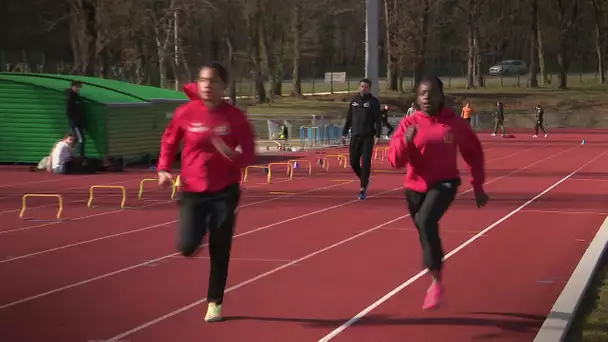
(361, 149)
(539, 124)
(499, 124)
(389, 128)
(426, 209)
(79, 135)
(215, 213)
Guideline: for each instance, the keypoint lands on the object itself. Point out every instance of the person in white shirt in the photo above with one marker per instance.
(411, 110)
(61, 155)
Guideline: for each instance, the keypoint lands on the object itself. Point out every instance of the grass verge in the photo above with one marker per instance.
(591, 321)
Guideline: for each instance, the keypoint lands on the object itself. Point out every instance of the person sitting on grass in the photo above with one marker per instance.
(61, 156)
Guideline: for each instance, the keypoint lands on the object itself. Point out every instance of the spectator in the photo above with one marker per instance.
(60, 159)
(75, 113)
(411, 110)
(467, 112)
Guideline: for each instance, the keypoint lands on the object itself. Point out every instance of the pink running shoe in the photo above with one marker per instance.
(433, 297)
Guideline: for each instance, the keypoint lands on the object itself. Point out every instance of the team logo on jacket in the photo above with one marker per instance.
(448, 138)
(366, 105)
(197, 127)
(355, 104)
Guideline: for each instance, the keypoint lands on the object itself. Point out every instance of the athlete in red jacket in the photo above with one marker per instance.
(428, 142)
(210, 130)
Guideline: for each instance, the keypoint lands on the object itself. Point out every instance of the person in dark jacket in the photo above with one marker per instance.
(499, 119)
(428, 143)
(75, 114)
(218, 142)
(364, 121)
(540, 121)
(389, 128)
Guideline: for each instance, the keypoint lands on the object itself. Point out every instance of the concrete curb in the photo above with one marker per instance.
(555, 328)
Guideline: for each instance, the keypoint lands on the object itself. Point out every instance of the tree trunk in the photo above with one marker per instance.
(599, 47)
(599, 39)
(478, 72)
(563, 61)
(533, 72)
(422, 47)
(391, 73)
(567, 20)
(471, 53)
(232, 86)
(253, 20)
(541, 53)
(176, 40)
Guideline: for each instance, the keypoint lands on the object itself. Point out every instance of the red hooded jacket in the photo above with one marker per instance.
(432, 156)
(204, 168)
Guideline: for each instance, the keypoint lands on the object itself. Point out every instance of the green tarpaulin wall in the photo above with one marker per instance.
(123, 119)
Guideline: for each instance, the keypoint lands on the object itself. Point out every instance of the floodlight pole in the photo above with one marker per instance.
(372, 28)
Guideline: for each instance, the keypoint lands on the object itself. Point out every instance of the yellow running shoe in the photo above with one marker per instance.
(214, 313)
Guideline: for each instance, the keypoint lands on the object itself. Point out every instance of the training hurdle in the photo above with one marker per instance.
(340, 157)
(176, 184)
(289, 170)
(117, 187)
(246, 173)
(306, 163)
(26, 196)
(382, 151)
(140, 194)
(346, 160)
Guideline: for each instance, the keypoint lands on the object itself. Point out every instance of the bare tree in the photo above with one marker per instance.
(600, 37)
(566, 16)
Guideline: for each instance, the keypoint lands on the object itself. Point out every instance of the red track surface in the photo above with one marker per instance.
(304, 263)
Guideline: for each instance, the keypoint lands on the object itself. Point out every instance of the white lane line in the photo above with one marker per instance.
(407, 283)
(277, 269)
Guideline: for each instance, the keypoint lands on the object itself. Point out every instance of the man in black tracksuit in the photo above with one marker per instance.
(365, 123)
(75, 113)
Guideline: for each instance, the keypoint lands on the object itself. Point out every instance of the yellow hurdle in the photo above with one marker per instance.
(345, 160)
(140, 194)
(246, 174)
(176, 185)
(304, 161)
(26, 196)
(340, 157)
(289, 170)
(118, 187)
(382, 151)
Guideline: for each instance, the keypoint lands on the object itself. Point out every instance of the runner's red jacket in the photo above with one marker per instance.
(203, 167)
(432, 156)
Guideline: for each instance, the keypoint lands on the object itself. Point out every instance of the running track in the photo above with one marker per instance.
(309, 265)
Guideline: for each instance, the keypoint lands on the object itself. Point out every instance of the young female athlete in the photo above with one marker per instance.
(428, 142)
(211, 131)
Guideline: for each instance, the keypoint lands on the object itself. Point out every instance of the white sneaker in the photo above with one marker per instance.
(214, 313)
(493, 134)
(546, 135)
(535, 136)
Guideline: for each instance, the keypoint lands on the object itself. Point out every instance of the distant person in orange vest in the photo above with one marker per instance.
(466, 112)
